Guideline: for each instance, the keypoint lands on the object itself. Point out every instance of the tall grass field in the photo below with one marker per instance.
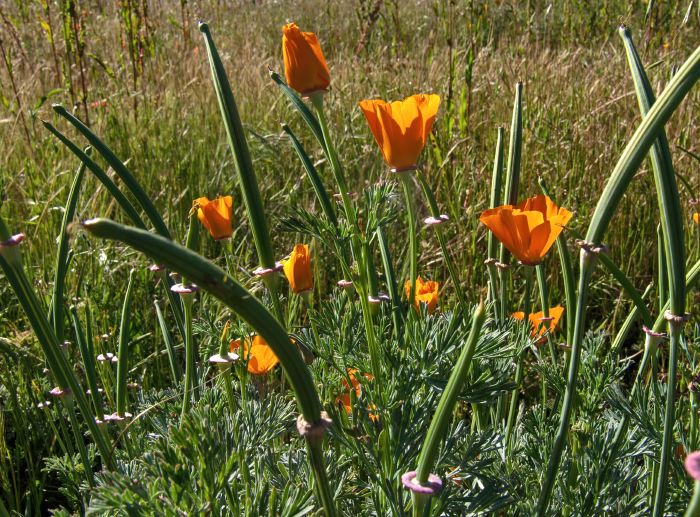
(350, 257)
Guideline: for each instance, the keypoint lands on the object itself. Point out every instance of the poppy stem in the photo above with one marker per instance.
(587, 261)
(544, 300)
(189, 354)
(444, 411)
(412, 234)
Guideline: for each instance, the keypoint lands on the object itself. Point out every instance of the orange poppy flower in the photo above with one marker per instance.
(215, 215)
(529, 229)
(297, 269)
(539, 327)
(344, 397)
(401, 128)
(261, 358)
(426, 292)
(696, 218)
(304, 65)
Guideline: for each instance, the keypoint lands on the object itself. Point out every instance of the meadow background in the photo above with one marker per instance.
(136, 71)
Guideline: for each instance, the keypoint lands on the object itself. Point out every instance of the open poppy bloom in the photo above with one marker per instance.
(261, 358)
(297, 269)
(401, 128)
(529, 229)
(426, 292)
(304, 65)
(344, 397)
(215, 215)
(538, 322)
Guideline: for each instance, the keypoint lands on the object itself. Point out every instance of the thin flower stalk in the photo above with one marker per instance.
(445, 409)
(496, 187)
(412, 234)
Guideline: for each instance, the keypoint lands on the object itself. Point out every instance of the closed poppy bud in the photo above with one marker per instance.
(426, 293)
(529, 229)
(261, 358)
(215, 215)
(297, 269)
(401, 128)
(696, 218)
(304, 65)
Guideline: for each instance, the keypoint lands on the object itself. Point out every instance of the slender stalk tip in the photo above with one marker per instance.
(202, 26)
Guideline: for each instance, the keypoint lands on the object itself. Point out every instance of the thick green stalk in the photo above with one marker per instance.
(672, 265)
(494, 201)
(510, 193)
(412, 234)
(239, 148)
(123, 353)
(216, 282)
(446, 405)
(119, 168)
(189, 356)
(624, 170)
(101, 176)
(61, 267)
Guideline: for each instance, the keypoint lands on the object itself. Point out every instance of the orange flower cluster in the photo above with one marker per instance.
(538, 323)
(426, 293)
(529, 229)
(215, 215)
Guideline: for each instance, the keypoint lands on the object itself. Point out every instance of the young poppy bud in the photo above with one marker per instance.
(215, 215)
(304, 65)
(297, 269)
(426, 293)
(696, 218)
(529, 229)
(401, 128)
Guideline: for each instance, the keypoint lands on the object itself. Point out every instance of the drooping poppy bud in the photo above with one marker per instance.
(304, 65)
(529, 229)
(215, 215)
(426, 293)
(401, 128)
(297, 269)
(261, 358)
